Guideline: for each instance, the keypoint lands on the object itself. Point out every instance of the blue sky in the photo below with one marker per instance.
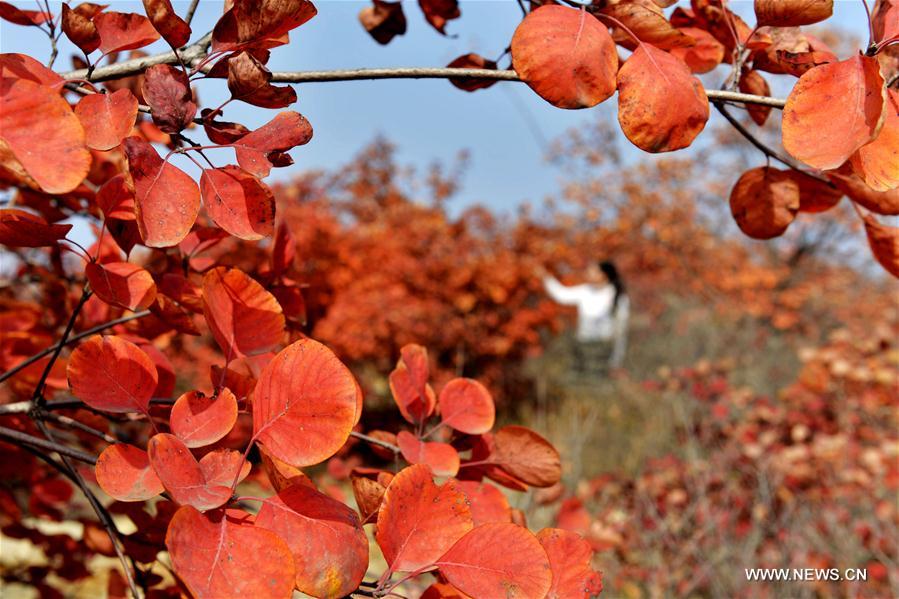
(505, 128)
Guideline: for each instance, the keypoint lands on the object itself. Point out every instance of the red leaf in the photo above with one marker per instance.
(472, 61)
(182, 476)
(22, 66)
(306, 388)
(285, 131)
(527, 456)
(116, 199)
(441, 458)
(167, 200)
(167, 91)
(222, 132)
(877, 163)
(123, 31)
(107, 118)
(567, 56)
(488, 504)
(122, 284)
(438, 12)
(220, 555)
(792, 13)
(284, 250)
(238, 202)
(833, 110)
(281, 474)
(123, 471)
(662, 107)
(498, 556)
(250, 82)
(764, 202)
(113, 375)
(409, 384)
(50, 148)
(199, 420)
(259, 23)
(383, 20)
(170, 26)
(27, 18)
(79, 27)
(245, 319)
(23, 229)
(569, 557)
(466, 405)
(884, 242)
(220, 466)
(418, 520)
(326, 538)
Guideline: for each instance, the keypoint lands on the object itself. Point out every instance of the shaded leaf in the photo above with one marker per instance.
(815, 195)
(418, 520)
(662, 107)
(764, 202)
(167, 200)
(24, 229)
(250, 82)
(107, 118)
(116, 199)
(383, 20)
(330, 548)
(167, 90)
(123, 471)
(498, 556)
(123, 31)
(409, 384)
(566, 56)
(752, 82)
(259, 23)
(170, 26)
(646, 20)
(792, 13)
(60, 161)
(527, 456)
(245, 319)
(10, 13)
(121, 284)
(281, 474)
(439, 12)
(79, 27)
(833, 110)
(881, 202)
(472, 61)
(219, 555)
(112, 375)
(238, 202)
(199, 420)
(884, 242)
(877, 163)
(368, 494)
(304, 388)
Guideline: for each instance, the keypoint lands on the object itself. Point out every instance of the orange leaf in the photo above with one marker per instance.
(466, 405)
(792, 13)
(167, 200)
(661, 106)
(282, 474)
(238, 202)
(50, 148)
(245, 319)
(764, 202)
(884, 242)
(304, 388)
(815, 195)
(881, 202)
(409, 384)
(566, 56)
(706, 53)
(527, 456)
(107, 118)
(326, 538)
(24, 229)
(647, 22)
(182, 476)
(488, 504)
(123, 31)
(418, 520)
(368, 494)
(113, 375)
(22, 66)
(441, 458)
(220, 466)
(199, 420)
(877, 163)
(121, 284)
(498, 556)
(123, 471)
(752, 82)
(569, 557)
(834, 110)
(220, 555)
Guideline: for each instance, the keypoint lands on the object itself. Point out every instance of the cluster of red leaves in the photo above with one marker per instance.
(805, 480)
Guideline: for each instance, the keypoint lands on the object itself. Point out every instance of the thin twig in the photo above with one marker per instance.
(18, 438)
(57, 346)
(71, 403)
(72, 423)
(189, 16)
(374, 441)
(38, 396)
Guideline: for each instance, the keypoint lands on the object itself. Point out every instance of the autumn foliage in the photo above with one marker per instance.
(274, 316)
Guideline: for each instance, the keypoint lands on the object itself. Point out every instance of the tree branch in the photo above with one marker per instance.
(59, 345)
(19, 438)
(374, 441)
(38, 396)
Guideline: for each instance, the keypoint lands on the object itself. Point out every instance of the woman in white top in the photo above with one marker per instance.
(603, 309)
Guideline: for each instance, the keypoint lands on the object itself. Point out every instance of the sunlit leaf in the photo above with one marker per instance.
(113, 375)
(199, 420)
(123, 471)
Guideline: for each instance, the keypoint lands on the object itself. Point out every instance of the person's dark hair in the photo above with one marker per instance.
(608, 269)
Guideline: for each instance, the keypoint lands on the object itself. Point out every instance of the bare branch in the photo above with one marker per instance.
(18, 438)
(374, 441)
(189, 16)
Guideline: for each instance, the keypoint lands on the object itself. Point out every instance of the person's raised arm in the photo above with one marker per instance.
(559, 292)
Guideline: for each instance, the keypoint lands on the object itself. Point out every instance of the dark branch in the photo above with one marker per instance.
(19, 438)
